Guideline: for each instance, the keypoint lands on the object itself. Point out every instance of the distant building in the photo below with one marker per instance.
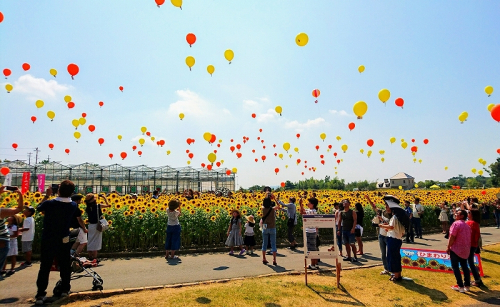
(399, 180)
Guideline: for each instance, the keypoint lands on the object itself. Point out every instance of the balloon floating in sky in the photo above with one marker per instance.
(159, 2)
(370, 142)
(1, 17)
(9, 87)
(399, 102)
(177, 3)
(301, 39)
(26, 66)
(119, 137)
(315, 94)
(210, 69)
(53, 72)
(490, 106)
(351, 126)
(181, 116)
(51, 115)
(5, 170)
(392, 140)
(33, 119)
(77, 135)
(229, 55)
(360, 109)
(463, 117)
(384, 95)
(278, 110)
(361, 68)
(488, 90)
(495, 112)
(73, 70)
(6, 72)
(191, 39)
(322, 136)
(14, 145)
(190, 62)
(120, 88)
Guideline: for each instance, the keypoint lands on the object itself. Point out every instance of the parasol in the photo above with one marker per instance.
(396, 210)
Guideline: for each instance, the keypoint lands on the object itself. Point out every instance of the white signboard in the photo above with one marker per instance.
(319, 221)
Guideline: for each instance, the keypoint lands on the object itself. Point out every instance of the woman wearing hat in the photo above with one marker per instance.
(234, 237)
(94, 215)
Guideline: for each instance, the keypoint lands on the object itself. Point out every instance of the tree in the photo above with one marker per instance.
(289, 185)
(472, 183)
(256, 188)
(494, 171)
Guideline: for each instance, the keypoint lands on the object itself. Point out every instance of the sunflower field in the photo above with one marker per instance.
(140, 224)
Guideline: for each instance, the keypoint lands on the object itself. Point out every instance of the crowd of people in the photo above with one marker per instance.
(395, 224)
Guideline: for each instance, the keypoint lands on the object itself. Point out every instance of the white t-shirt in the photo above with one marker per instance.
(249, 229)
(419, 208)
(28, 235)
(311, 211)
(398, 231)
(382, 231)
(173, 217)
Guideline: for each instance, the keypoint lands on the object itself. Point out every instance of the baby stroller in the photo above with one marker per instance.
(81, 265)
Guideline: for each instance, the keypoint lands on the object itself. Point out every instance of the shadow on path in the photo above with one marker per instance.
(434, 295)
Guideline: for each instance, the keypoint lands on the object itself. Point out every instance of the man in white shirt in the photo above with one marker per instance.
(418, 211)
(28, 234)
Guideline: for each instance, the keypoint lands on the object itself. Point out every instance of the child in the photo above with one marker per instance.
(173, 241)
(28, 234)
(234, 233)
(249, 239)
(13, 233)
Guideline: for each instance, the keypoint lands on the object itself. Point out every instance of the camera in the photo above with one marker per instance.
(10, 188)
(55, 188)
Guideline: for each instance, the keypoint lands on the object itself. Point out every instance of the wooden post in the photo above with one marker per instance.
(338, 269)
(305, 267)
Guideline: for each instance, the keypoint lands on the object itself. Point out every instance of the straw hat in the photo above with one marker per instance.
(234, 210)
(250, 218)
(89, 198)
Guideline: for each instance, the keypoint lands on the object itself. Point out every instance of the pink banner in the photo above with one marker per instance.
(41, 183)
(25, 187)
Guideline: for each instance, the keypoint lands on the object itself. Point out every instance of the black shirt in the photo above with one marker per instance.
(360, 215)
(58, 216)
(74, 221)
(92, 213)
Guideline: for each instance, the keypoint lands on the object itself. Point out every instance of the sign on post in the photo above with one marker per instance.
(320, 221)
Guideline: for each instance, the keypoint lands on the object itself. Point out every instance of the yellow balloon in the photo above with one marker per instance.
(381, 152)
(301, 39)
(473, 170)
(153, 138)
(234, 170)
(384, 95)
(119, 137)
(404, 145)
(480, 172)
(229, 55)
(488, 90)
(144, 129)
(67, 98)
(400, 187)
(51, 115)
(361, 68)
(362, 151)
(77, 135)
(490, 106)
(53, 72)
(177, 3)
(9, 87)
(220, 141)
(360, 109)
(290, 155)
(335, 173)
(402, 140)
(181, 116)
(413, 153)
(369, 153)
(296, 149)
(210, 69)
(483, 163)
(168, 152)
(392, 140)
(221, 161)
(322, 136)
(75, 123)
(338, 138)
(463, 117)
(446, 168)
(212, 157)
(188, 162)
(480, 160)
(344, 148)
(382, 159)
(82, 121)
(39, 103)
(142, 141)
(416, 186)
(420, 161)
(286, 146)
(278, 110)
(281, 156)
(286, 166)
(207, 136)
(190, 62)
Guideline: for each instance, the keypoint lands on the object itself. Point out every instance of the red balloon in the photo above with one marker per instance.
(212, 139)
(51, 146)
(335, 154)
(91, 128)
(400, 102)
(338, 161)
(298, 161)
(148, 133)
(282, 184)
(1, 16)
(317, 147)
(123, 155)
(71, 105)
(121, 88)
(33, 119)
(370, 142)
(232, 148)
(26, 66)
(263, 158)
(209, 167)
(238, 146)
(253, 150)
(330, 146)
(276, 170)
(139, 153)
(228, 172)
(298, 135)
(101, 103)
(110, 156)
(191, 155)
(187, 150)
(323, 162)
(498, 151)
(134, 148)
(254, 115)
(5, 170)
(483, 192)
(100, 141)
(14, 145)
(426, 141)
(159, 2)
(413, 140)
(351, 126)
(215, 150)
(414, 148)
(239, 154)
(218, 164)
(73, 70)
(256, 160)
(495, 112)
(66, 151)
(203, 165)
(162, 142)
(316, 93)
(6, 72)
(191, 39)
(84, 115)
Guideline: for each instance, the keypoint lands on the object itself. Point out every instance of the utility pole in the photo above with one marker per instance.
(48, 159)
(29, 158)
(36, 156)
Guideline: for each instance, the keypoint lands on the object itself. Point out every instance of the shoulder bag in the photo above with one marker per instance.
(102, 224)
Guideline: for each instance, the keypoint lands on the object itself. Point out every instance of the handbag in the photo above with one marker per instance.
(102, 224)
(261, 222)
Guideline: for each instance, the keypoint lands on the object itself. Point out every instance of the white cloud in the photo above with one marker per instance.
(226, 111)
(251, 105)
(37, 88)
(190, 103)
(340, 113)
(301, 126)
(268, 116)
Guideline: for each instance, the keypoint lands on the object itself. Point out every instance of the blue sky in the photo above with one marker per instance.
(437, 56)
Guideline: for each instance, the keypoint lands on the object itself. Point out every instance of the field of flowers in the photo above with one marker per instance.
(139, 225)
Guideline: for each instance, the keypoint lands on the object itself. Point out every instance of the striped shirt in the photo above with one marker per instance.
(4, 232)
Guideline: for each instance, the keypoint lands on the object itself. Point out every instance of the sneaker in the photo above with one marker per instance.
(457, 288)
(478, 283)
(466, 289)
(26, 264)
(242, 252)
(231, 253)
(10, 272)
(347, 259)
(175, 257)
(312, 267)
(354, 259)
(384, 272)
(40, 300)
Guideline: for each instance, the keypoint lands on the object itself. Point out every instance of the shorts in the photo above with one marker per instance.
(311, 241)
(348, 237)
(357, 233)
(82, 237)
(27, 246)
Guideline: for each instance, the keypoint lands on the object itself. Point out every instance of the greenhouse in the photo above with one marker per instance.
(95, 178)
